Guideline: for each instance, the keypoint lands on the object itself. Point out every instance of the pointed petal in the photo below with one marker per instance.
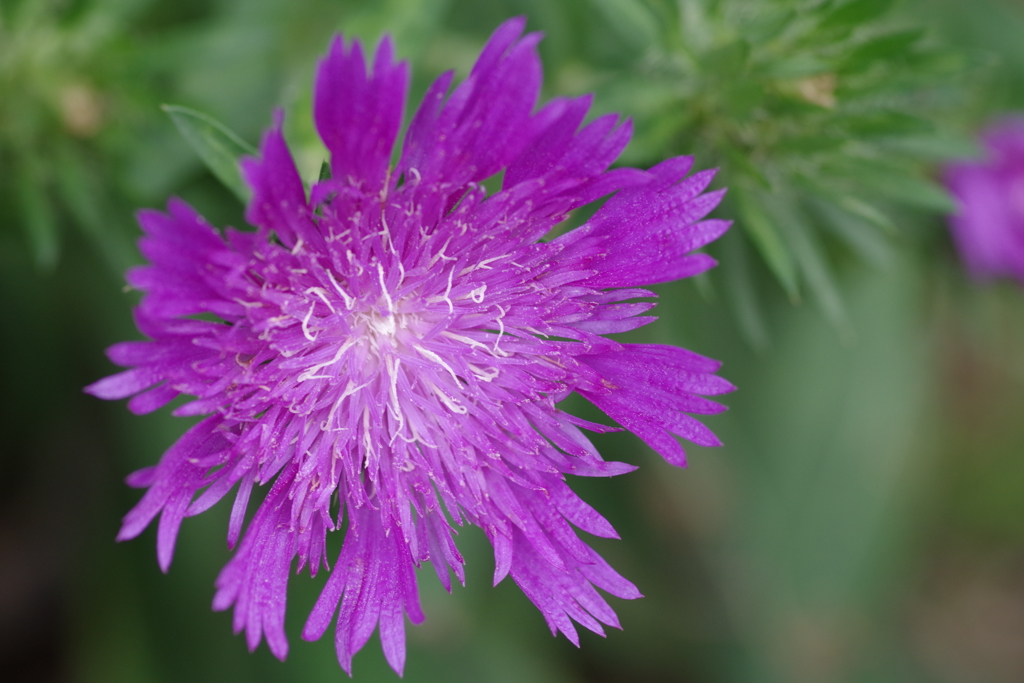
(279, 200)
(358, 115)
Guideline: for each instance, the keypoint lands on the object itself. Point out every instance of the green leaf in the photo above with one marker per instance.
(218, 147)
(811, 143)
(742, 97)
(37, 215)
(705, 287)
(631, 20)
(882, 47)
(727, 62)
(915, 191)
(741, 163)
(813, 265)
(898, 184)
(742, 294)
(766, 24)
(932, 147)
(862, 237)
(795, 66)
(854, 13)
(886, 124)
(82, 194)
(766, 238)
(862, 209)
(848, 203)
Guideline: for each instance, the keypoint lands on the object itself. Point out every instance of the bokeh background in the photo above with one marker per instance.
(864, 520)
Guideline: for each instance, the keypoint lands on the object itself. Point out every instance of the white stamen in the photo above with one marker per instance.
(385, 232)
(367, 439)
(319, 291)
(416, 436)
(384, 289)
(309, 373)
(465, 340)
(445, 298)
(448, 290)
(355, 262)
(482, 264)
(278, 321)
(442, 254)
(384, 326)
(349, 301)
(486, 374)
(437, 359)
(501, 332)
(449, 402)
(394, 406)
(305, 322)
(477, 295)
(352, 388)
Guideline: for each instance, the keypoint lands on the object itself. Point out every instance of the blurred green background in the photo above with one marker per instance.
(865, 519)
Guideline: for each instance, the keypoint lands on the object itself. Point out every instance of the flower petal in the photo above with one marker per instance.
(255, 580)
(651, 387)
(479, 130)
(373, 581)
(278, 204)
(642, 235)
(357, 116)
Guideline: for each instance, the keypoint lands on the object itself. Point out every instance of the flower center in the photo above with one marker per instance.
(386, 332)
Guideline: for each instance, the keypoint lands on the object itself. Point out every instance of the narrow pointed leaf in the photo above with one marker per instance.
(862, 237)
(813, 264)
(854, 13)
(882, 47)
(37, 215)
(766, 238)
(81, 193)
(933, 147)
(631, 20)
(897, 183)
(852, 205)
(741, 291)
(218, 147)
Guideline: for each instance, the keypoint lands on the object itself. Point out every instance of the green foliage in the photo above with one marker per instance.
(52, 58)
(218, 146)
(81, 131)
(821, 115)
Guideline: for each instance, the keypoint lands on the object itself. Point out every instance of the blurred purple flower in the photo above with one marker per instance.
(389, 351)
(988, 226)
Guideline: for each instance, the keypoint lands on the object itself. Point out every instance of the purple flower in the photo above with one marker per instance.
(989, 224)
(390, 349)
